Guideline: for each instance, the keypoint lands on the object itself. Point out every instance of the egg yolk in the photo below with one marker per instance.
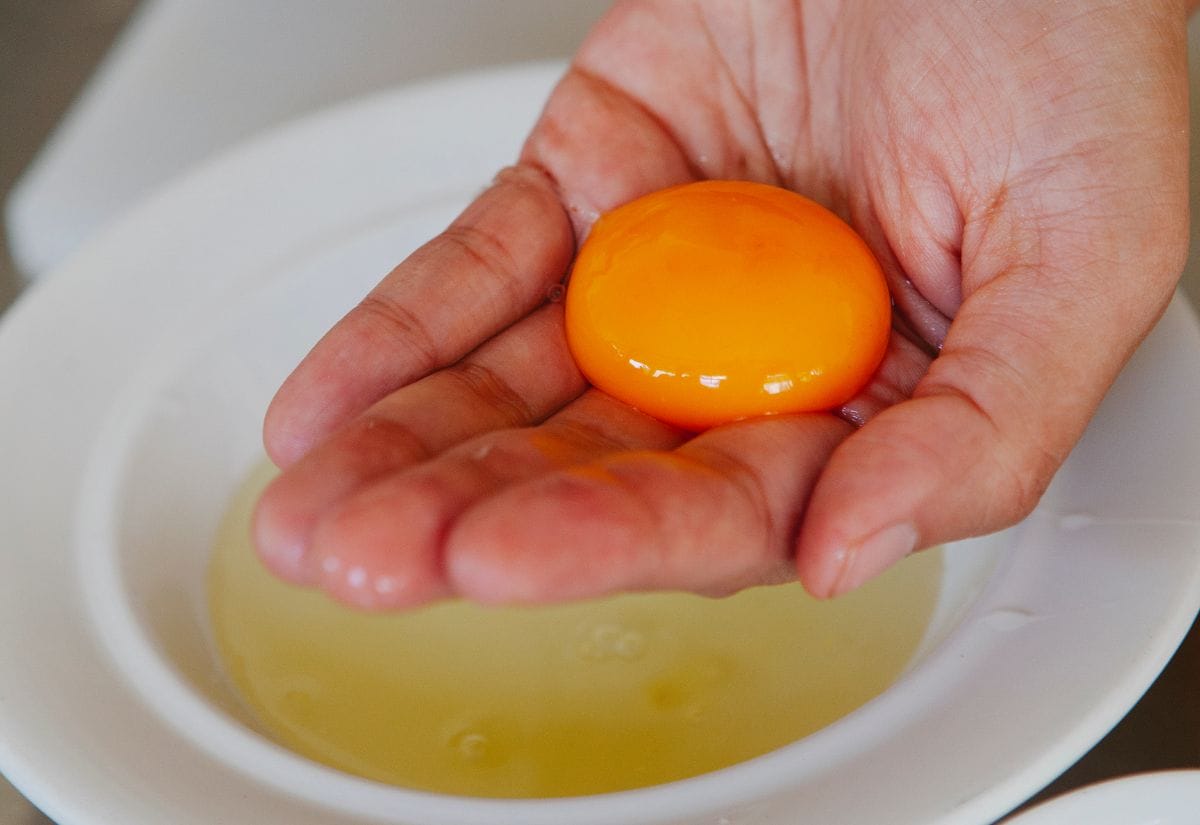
(715, 301)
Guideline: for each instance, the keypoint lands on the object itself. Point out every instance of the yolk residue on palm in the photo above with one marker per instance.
(721, 300)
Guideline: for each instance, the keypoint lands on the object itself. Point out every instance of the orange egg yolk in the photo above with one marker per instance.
(721, 300)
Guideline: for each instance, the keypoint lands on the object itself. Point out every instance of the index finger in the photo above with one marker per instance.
(490, 267)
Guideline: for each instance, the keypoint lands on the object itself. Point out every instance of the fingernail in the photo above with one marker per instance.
(866, 559)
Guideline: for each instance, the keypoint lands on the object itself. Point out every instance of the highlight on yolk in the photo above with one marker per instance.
(715, 301)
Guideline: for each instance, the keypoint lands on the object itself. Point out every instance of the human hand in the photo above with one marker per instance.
(1018, 169)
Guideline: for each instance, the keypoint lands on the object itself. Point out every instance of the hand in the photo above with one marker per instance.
(1018, 168)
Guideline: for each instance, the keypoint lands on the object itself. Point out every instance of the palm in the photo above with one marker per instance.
(974, 186)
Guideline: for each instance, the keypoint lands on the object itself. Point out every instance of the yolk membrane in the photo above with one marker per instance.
(721, 300)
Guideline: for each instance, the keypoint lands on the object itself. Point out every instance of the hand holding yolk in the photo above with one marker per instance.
(716, 301)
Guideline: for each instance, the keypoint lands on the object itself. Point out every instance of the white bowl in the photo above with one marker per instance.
(136, 379)
(1161, 798)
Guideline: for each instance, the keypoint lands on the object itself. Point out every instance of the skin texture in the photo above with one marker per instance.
(1019, 169)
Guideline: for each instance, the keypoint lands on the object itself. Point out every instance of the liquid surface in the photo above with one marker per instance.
(543, 702)
(719, 300)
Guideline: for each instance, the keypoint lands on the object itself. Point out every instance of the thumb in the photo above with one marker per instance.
(1027, 359)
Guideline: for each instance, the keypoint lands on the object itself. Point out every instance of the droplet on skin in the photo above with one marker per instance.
(482, 452)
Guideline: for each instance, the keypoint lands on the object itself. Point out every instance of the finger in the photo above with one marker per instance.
(602, 147)
(1021, 373)
(492, 388)
(493, 265)
(381, 548)
(902, 367)
(715, 515)
(1069, 251)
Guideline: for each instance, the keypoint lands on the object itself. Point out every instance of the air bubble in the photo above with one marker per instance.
(630, 645)
(606, 635)
(470, 745)
(610, 641)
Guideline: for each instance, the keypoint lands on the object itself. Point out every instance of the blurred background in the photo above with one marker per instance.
(47, 51)
(102, 101)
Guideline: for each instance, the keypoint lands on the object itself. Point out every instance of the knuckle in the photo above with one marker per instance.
(402, 329)
(487, 387)
(385, 441)
(590, 435)
(486, 252)
(749, 492)
(530, 178)
(1014, 462)
(1022, 484)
